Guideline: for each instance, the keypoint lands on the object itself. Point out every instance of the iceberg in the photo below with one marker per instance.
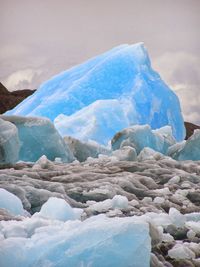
(118, 86)
(141, 136)
(38, 137)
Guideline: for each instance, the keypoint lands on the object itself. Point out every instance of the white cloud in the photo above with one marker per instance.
(181, 71)
(22, 79)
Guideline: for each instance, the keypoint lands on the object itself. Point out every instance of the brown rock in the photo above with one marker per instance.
(9, 100)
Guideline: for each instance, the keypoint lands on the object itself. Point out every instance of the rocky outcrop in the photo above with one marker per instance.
(9, 100)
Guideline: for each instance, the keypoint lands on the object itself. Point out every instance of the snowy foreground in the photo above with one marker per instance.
(102, 212)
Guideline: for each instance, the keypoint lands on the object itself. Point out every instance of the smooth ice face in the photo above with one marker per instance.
(9, 142)
(10, 202)
(123, 74)
(38, 137)
(141, 136)
(95, 242)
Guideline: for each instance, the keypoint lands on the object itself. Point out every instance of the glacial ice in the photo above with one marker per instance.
(38, 137)
(118, 86)
(96, 242)
(9, 142)
(10, 202)
(141, 136)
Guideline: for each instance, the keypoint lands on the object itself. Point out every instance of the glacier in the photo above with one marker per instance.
(118, 86)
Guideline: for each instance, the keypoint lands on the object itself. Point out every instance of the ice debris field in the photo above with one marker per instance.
(95, 171)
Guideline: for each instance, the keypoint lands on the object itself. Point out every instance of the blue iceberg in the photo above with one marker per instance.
(122, 77)
(37, 137)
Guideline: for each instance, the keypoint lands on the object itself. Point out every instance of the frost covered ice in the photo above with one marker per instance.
(121, 81)
(96, 242)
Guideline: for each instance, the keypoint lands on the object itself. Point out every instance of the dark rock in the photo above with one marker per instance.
(190, 127)
(9, 100)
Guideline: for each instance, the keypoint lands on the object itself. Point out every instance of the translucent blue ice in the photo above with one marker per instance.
(123, 74)
(38, 137)
(187, 150)
(11, 203)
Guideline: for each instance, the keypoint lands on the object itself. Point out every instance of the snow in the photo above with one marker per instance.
(9, 142)
(116, 89)
(58, 209)
(141, 136)
(10, 202)
(97, 241)
(38, 137)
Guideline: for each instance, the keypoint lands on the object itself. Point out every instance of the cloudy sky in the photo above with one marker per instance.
(40, 38)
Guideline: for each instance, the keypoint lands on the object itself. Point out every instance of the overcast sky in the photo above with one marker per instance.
(40, 38)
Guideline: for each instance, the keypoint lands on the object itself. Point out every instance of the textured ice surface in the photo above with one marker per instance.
(141, 136)
(95, 242)
(187, 150)
(9, 142)
(129, 90)
(58, 209)
(10, 202)
(38, 137)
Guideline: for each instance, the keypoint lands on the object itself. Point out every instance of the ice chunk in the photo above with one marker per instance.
(120, 202)
(181, 251)
(125, 153)
(10, 202)
(58, 209)
(148, 153)
(9, 142)
(39, 137)
(124, 75)
(117, 202)
(95, 242)
(187, 150)
(176, 217)
(83, 150)
(141, 136)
